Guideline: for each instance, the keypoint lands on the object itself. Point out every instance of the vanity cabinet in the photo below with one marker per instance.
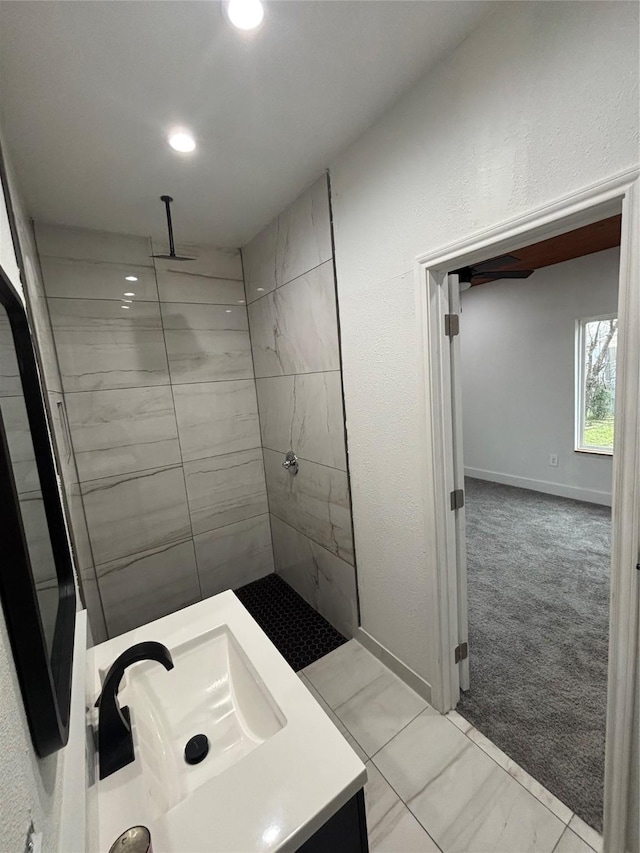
(345, 832)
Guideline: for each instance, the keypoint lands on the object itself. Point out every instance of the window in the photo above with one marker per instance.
(597, 343)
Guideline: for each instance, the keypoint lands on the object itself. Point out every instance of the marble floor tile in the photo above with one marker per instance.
(572, 843)
(207, 342)
(123, 430)
(225, 489)
(391, 826)
(232, 556)
(304, 413)
(325, 581)
(135, 513)
(200, 289)
(87, 244)
(138, 589)
(259, 262)
(207, 262)
(341, 674)
(377, 712)
(304, 233)
(346, 734)
(315, 501)
(102, 345)
(461, 797)
(520, 775)
(72, 279)
(586, 833)
(216, 418)
(294, 329)
(459, 721)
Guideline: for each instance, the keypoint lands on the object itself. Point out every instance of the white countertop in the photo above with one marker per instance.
(275, 797)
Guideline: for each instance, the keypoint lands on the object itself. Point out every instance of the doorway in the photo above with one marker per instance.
(444, 467)
(533, 337)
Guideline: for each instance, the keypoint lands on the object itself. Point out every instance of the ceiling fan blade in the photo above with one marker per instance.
(495, 262)
(503, 274)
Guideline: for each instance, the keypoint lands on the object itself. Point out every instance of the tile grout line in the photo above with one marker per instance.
(175, 417)
(284, 283)
(319, 544)
(488, 754)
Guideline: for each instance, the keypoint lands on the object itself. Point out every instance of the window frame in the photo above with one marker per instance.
(579, 419)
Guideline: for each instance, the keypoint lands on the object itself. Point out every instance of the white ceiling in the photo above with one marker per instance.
(89, 90)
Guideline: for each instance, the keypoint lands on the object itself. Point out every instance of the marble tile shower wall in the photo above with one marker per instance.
(290, 291)
(160, 396)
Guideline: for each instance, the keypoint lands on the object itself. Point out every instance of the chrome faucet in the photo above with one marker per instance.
(115, 742)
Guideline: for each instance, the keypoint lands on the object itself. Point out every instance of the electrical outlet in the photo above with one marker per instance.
(553, 460)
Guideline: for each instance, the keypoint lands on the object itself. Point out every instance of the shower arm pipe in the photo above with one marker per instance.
(167, 203)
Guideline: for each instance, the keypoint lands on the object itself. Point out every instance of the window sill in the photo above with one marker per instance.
(592, 451)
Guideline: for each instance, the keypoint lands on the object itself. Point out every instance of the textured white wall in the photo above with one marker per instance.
(517, 343)
(541, 100)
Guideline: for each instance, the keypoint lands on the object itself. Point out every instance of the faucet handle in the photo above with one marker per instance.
(291, 462)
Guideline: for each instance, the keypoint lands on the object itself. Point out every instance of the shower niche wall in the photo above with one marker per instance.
(171, 433)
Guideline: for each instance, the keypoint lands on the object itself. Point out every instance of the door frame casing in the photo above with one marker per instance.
(589, 205)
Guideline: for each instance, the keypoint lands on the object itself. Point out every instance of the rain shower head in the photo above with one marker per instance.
(172, 249)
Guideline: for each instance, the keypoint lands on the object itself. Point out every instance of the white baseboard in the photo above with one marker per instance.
(592, 496)
(404, 672)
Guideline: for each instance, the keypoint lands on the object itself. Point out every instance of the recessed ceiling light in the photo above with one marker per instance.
(129, 293)
(245, 14)
(130, 278)
(181, 139)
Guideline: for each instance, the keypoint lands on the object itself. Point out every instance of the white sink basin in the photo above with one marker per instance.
(213, 690)
(277, 767)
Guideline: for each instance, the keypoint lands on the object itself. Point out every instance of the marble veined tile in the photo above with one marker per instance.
(526, 780)
(232, 556)
(201, 289)
(259, 262)
(138, 589)
(18, 433)
(591, 836)
(294, 329)
(304, 412)
(216, 418)
(343, 672)
(207, 342)
(207, 261)
(98, 280)
(325, 581)
(135, 513)
(463, 799)
(378, 711)
(93, 604)
(315, 501)
(123, 430)
(346, 734)
(572, 843)
(10, 381)
(225, 489)
(102, 345)
(85, 244)
(391, 826)
(304, 233)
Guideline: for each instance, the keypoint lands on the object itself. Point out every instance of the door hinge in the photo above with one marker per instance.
(461, 652)
(451, 325)
(457, 499)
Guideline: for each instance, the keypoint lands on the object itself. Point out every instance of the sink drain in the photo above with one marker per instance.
(196, 749)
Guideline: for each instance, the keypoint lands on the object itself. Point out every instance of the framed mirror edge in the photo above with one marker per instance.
(45, 680)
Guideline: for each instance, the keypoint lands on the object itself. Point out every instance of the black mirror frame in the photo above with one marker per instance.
(45, 681)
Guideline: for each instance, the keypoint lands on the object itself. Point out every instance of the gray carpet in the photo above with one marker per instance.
(538, 576)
